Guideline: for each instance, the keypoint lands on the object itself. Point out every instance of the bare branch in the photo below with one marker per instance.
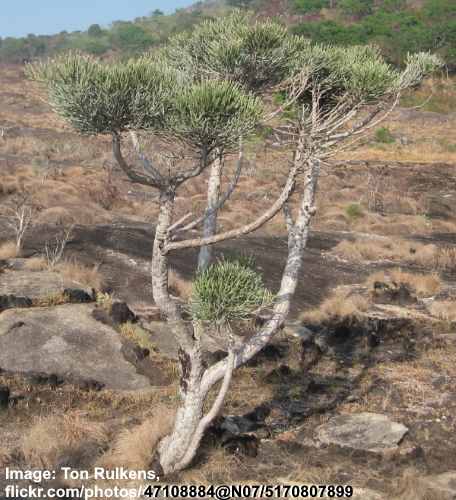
(145, 180)
(226, 196)
(54, 251)
(19, 218)
(260, 221)
(147, 165)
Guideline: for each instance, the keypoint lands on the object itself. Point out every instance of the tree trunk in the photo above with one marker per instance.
(210, 223)
(178, 449)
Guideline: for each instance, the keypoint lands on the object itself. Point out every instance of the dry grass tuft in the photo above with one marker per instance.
(424, 285)
(179, 285)
(8, 250)
(341, 304)
(104, 300)
(55, 436)
(412, 487)
(397, 250)
(51, 300)
(445, 258)
(55, 215)
(35, 264)
(79, 273)
(5, 457)
(135, 447)
(138, 335)
(9, 185)
(221, 467)
(444, 310)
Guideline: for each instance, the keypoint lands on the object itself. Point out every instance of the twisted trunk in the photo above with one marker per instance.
(177, 450)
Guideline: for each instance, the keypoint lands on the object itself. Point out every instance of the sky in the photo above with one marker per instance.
(47, 17)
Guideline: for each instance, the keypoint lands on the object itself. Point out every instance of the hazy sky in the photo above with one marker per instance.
(46, 17)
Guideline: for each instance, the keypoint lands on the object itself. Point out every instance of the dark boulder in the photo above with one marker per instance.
(4, 396)
(120, 313)
(76, 296)
(11, 302)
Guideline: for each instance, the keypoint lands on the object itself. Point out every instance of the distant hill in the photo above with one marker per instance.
(397, 26)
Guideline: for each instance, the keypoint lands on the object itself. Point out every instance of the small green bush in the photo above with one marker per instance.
(228, 291)
(354, 211)
(384, 136)
(310, 5)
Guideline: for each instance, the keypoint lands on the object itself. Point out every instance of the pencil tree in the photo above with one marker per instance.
(337, 94)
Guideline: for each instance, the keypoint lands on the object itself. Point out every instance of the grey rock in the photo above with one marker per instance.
(35, 285)
(370, 432)
(68, 343)
(20, 288)
(296, 329)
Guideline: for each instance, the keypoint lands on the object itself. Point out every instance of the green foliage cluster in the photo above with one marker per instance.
(146, 94)
(354, 211)
(236, 48)
(97, 98)
(391, 24)
(384, 136)
(309, 6)
(228, 291)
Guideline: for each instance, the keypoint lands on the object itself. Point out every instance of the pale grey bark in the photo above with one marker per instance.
(178, 449)
(210, 221)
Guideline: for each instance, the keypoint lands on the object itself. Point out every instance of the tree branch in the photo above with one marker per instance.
(226, 196)
(147, 165)
(134, 176)
(248, 228)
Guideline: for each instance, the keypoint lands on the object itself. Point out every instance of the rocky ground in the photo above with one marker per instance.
(357, 389)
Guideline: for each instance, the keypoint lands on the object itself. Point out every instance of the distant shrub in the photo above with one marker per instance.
(356, 7)
(95, 30)
(131, 37)
(354, 211)
(384, 136)
(310, 5)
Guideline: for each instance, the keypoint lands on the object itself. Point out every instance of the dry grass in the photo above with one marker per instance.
(444, 310)
(57, 435)
(221, 467)
(105, 300)
(55, 215)
(5, 457)
(424, 285)
(51, 300)
(8, 250)
(79, 273)
(134, 448)
(138, 335)
(396, 250)
(341, 304)
(179, 285)
(412, 487)
(35, 264)
(9, 185)
(445, 258)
